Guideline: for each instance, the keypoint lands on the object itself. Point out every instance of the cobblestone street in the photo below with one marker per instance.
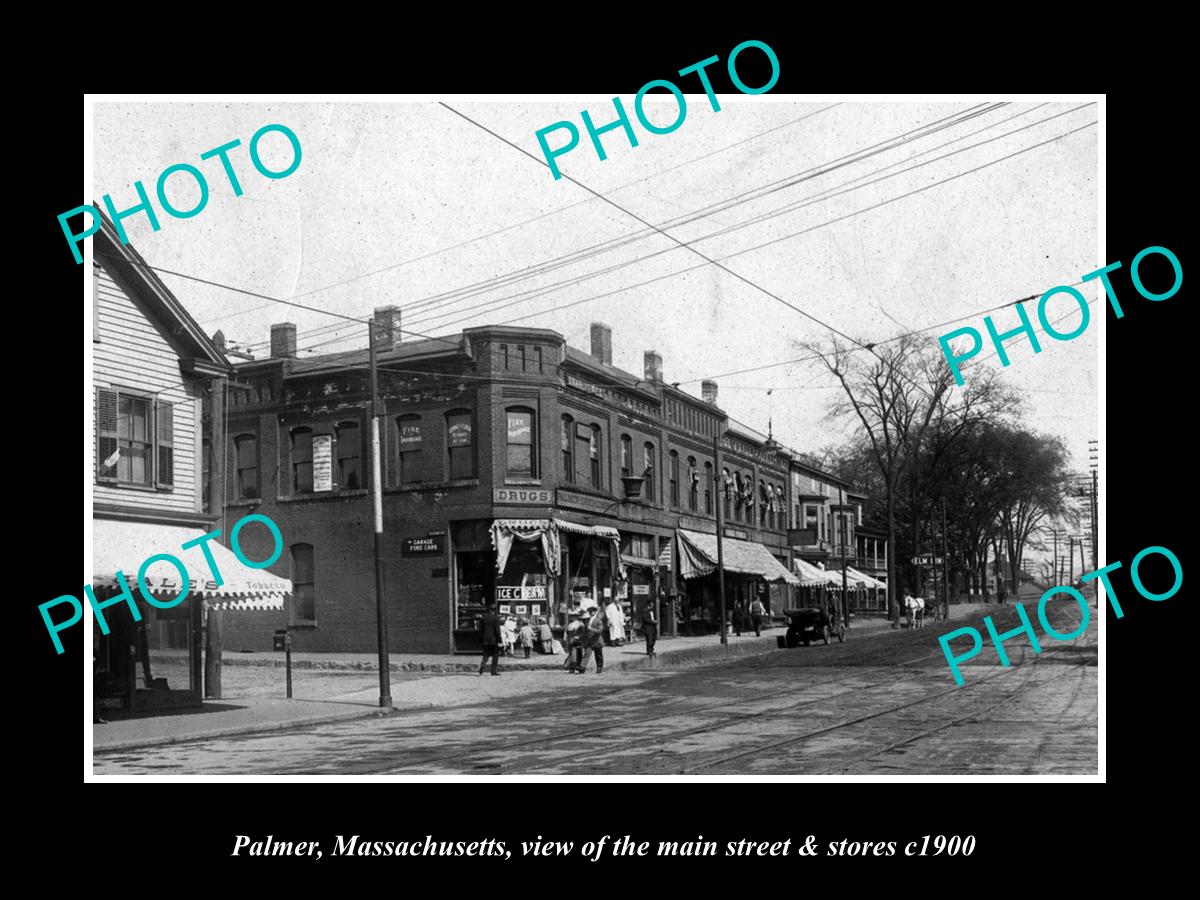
(881, 703)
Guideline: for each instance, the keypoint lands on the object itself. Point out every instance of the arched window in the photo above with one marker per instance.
(408, 450)
(648, 468)
(521, 458)
(693, 475)
(304, 600)
(626, 456)
(301, 460)
(594, 452)
(568, 444)
(673, 475)
(727, 492)
(349, 456)
(246, 452)
(460, 444)
(739, 505)
(762, 503)
(708, 488)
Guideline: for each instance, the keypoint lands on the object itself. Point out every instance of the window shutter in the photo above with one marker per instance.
(106, 434)
(165, 418)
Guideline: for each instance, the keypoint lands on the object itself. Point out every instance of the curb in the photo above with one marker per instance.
(140, 743)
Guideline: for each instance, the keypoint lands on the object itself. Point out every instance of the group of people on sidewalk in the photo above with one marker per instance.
(585, 635)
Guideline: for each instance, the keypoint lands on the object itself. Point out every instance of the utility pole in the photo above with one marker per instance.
(1055, 570)
(385, 689)
(842, 516)
(720, 539)
(945, 568)
(1094, 460)
(213, 643)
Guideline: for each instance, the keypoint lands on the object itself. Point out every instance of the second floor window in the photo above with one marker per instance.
(673, 475)
(521, 456)
(693, 476)
(648, 468)
(568, 443)
(594, 454)
(708, 488)
(134, 439)
(460, 444)
(409, 440)
(301, 456)
(349, 456)
(727, 492)
(246, 462)
(626, 456)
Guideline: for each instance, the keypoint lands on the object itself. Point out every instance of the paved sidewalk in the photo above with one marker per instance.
(340, 686)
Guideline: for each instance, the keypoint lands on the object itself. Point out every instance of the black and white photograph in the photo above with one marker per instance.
(526, 437)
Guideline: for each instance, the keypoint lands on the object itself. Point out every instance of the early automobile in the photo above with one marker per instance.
(808, 625)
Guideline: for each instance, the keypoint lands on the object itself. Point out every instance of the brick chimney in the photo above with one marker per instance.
(653, 367)
(708, 391)
(283, 340)
(386, 325)
(602, 343)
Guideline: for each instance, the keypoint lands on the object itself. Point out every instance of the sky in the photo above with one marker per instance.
(877, 218)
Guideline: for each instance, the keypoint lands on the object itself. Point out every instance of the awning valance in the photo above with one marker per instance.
(546, 531)
(811, 575)
(861, 579)
(698, 557)
(124, 546)
(600, 531)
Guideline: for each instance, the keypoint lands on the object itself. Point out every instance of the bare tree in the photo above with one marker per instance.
(903, 397)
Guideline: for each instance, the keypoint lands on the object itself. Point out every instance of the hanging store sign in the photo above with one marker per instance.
(641, 590)
(418, 546)
(523, 496)
(322, 462)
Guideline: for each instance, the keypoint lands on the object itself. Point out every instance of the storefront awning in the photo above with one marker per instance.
(124, 546)
(698, 557)
(860, 579)
(600, 531)
(811, 575)
(546, 531)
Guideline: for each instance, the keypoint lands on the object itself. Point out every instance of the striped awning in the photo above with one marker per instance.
(124, 546)
(811, 575)
(698, 557)
(861, 579)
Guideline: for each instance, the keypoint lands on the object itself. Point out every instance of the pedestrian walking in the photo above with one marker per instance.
(489, 637)
(594, 638)
(757, 611)
(650, 629)
(739, 617)
(525, 636)
(575, 633)
(508, 635)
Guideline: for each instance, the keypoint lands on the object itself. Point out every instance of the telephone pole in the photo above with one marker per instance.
(842, 516)
(385, 689)
(1094, 459)
(945, 568)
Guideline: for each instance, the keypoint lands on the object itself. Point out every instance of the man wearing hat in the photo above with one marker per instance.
(594, 637)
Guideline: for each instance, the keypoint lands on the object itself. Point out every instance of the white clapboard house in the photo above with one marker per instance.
(153, 370)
